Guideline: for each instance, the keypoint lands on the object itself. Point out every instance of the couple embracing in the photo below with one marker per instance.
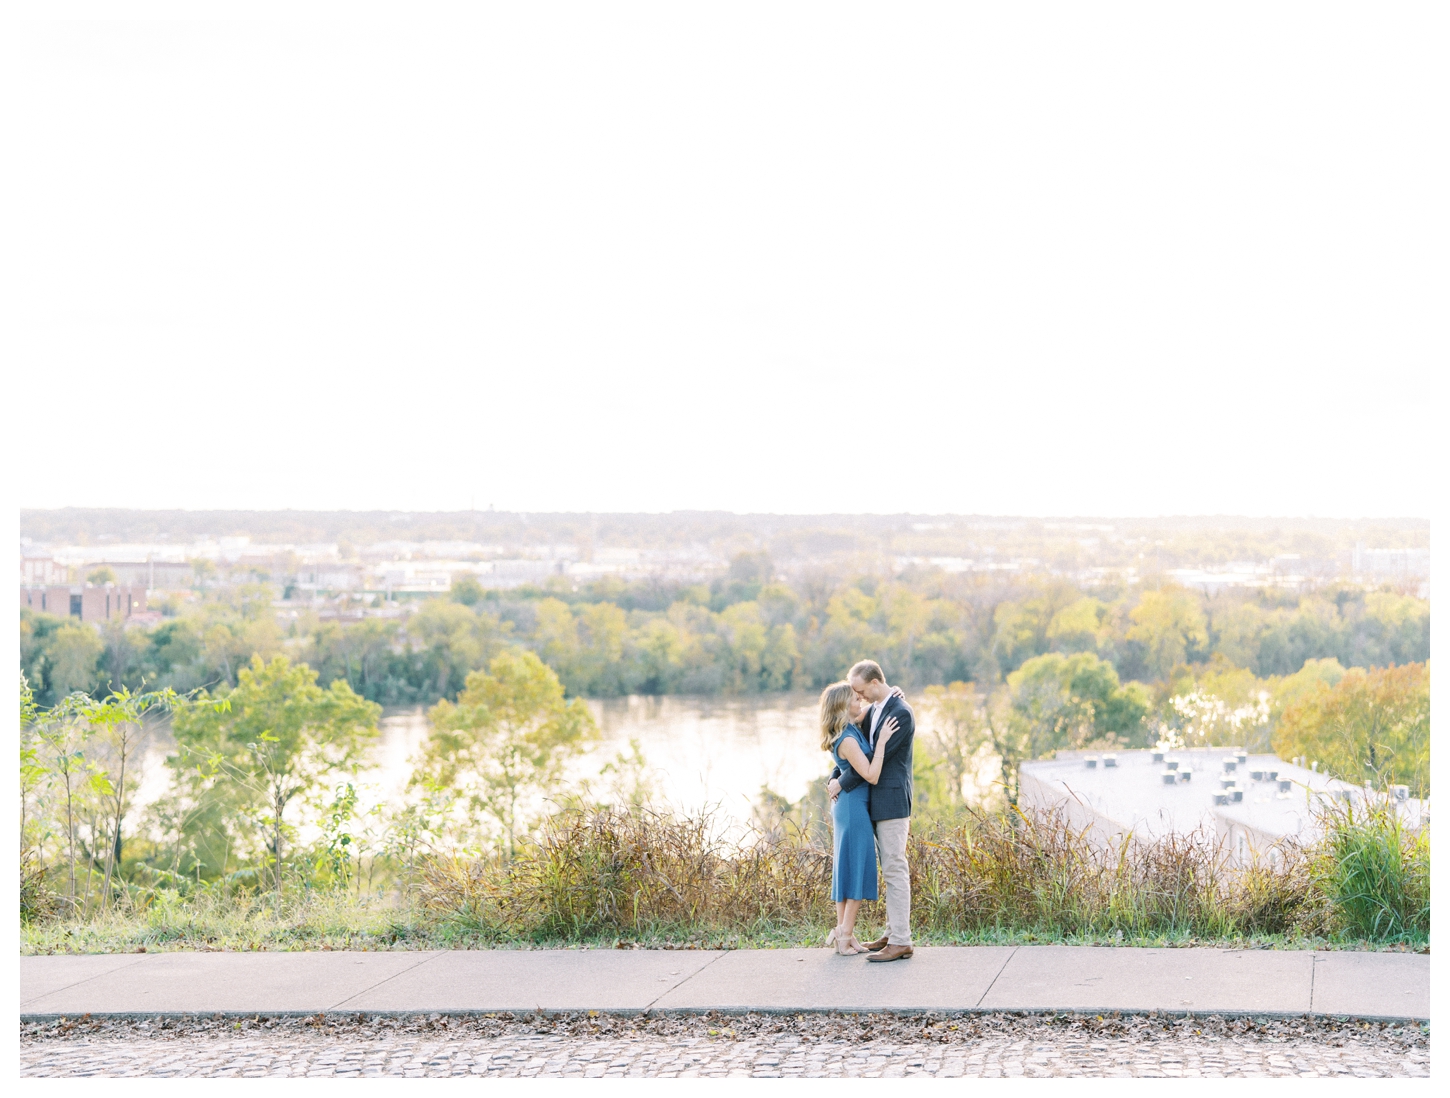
(867, 727)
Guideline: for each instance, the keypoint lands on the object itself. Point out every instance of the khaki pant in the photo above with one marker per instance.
(891, 853)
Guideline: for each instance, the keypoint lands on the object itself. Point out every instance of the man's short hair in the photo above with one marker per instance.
(867, 670)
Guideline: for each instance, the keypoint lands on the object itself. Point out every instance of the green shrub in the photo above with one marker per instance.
(1375, 871)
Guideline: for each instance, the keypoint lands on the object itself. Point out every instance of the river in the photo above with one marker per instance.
(699, 751)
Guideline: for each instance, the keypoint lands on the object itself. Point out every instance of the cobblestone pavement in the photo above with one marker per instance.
(813, 1046)
(703, 1056)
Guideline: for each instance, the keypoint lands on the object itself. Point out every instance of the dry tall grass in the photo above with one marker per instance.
(593, 876)
(640, 874)
(631, 871)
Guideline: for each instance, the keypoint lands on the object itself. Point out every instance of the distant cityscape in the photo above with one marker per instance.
(356, 578)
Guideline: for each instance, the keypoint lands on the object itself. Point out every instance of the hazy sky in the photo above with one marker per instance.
(995, 258)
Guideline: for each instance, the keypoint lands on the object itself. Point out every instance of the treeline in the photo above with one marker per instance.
(747, 633)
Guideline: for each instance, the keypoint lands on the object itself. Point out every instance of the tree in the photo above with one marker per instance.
(466, 590)
(276, 741)
(123, 649)
(956, 727)
(1304, 683)
(602, 629)
(119, 723)
(53, 743)
(505, 740)
(556, 635)
(88, 748)
(745, 637)
(1238, 630)
(780, 662)
(1168, 623)
(1060, 702)
(74, 653)
(908, 617)
(101, 575)
(452, 640)
(33, 771)
(1371, 726)
(1076, 627)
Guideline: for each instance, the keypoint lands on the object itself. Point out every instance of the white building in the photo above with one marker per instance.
(1390, 562)
(1246, 802)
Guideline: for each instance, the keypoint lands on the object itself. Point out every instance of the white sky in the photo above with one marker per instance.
(995, 258)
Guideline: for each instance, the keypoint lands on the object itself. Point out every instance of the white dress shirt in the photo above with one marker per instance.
(874, 720)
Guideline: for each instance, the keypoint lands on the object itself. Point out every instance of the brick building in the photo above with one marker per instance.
(90, 602)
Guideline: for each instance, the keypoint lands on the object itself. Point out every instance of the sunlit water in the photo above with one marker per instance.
(700, 751)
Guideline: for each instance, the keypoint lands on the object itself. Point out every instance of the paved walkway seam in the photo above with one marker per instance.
(1007, 961)
(430, 955)
(686, 980)
(83, 980)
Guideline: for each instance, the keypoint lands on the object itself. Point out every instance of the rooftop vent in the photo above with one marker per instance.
(1157, 756)
(1225, 782)
(1285, 786)
(1169, 777)
(1092, 762)
(1236, 795)
(1171, 764)
(1185, 775)
(1241, 757)
(1271, 775)
(1230, 764)
(1110, 760)
(1220, 798)
(1256, 775)
(1400, 792)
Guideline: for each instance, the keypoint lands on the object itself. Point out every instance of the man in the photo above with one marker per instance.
(889, 803)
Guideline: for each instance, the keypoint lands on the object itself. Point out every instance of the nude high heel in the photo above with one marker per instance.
(833, 937)
(843, 944)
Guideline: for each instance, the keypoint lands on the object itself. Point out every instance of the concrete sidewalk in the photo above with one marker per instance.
(984, 978)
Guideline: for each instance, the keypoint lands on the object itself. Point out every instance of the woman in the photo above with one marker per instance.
(853, 877)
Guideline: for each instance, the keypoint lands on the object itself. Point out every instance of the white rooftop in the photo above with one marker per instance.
(1134, 795)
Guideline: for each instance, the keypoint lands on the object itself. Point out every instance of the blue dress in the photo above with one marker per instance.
(853, 876)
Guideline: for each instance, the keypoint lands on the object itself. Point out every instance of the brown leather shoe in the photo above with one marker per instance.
(880, 943)
(890, 953)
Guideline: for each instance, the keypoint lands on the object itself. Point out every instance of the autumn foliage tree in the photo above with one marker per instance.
(1168, 624)
(1371, 726)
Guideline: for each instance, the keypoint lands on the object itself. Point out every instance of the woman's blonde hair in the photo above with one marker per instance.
(835, 712)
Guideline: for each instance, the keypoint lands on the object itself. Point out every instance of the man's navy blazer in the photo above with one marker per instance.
(890, 797)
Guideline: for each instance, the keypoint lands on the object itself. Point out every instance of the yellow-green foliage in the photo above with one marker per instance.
(1370, 726)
